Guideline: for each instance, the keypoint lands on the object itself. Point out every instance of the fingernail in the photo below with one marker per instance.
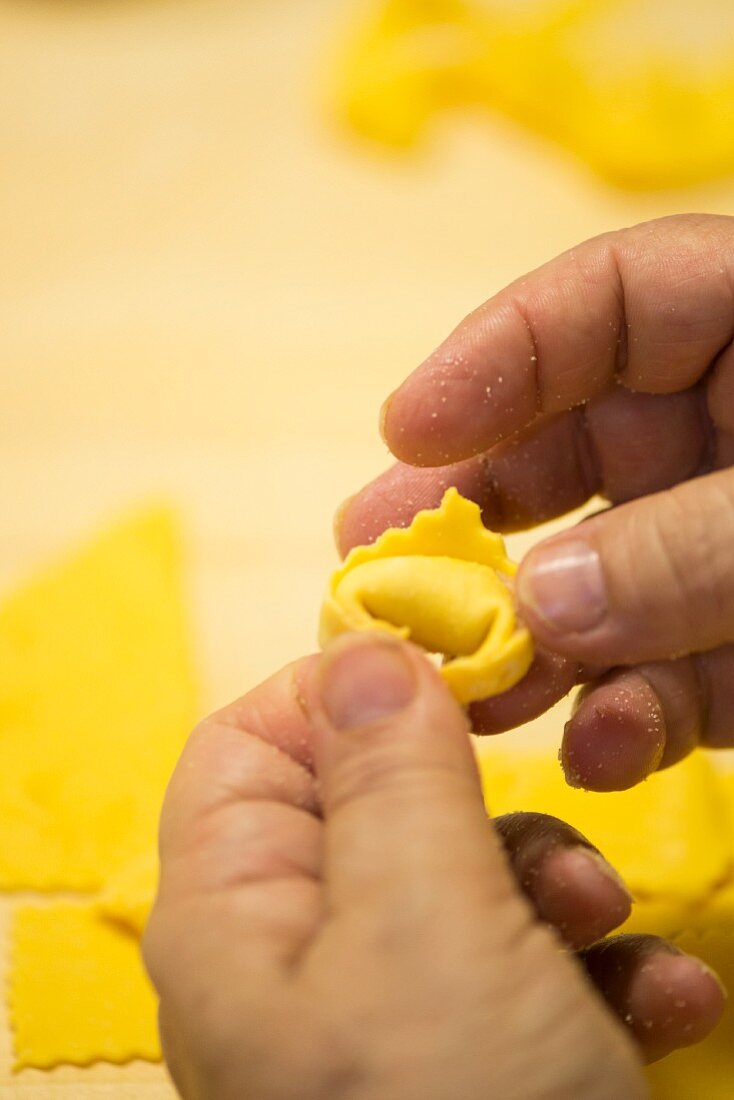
(610, 873)
(570, 774)
(577, 701)
(563, 585)
(383, 417)
(366, 682)
(705, 969)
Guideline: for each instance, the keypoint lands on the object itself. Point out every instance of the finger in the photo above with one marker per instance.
(632, 722)
(651, 306)
(542, 473)
(569, 883)
(256, 750)
(622, 445)
(616, 735)
(667, 999)
(401, 795)
(240, 838)
(643, 582)
(549, 678)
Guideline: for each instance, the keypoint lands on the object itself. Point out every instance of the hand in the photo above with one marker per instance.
(337, 917)
(611, 371)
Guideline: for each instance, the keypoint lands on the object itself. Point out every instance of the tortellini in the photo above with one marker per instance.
(443, 583)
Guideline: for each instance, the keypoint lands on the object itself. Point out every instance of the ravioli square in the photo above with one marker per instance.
(78, 991)
(97, 694)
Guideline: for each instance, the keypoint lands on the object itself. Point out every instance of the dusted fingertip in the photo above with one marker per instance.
(674, 1001)
(665, 998)
(616, 737)
(581, 895)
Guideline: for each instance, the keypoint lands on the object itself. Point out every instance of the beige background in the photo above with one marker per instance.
(206, 291)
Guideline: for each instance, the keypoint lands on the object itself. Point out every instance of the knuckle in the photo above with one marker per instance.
(694, 532)
(382, 770)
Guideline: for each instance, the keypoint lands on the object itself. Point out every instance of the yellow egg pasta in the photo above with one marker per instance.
(96, 698)
(78, 992)
(442, 582)
(642, 90)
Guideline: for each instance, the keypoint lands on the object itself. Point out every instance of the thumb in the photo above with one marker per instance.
(646, 581)
(406, 828)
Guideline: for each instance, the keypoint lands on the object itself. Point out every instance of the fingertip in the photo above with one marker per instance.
(367, 679)
(392, 426)
(570, 884)
(444, 412)
(665, 998)
(616, 737)
(581, 895)
(365, 515)
(674, 1001)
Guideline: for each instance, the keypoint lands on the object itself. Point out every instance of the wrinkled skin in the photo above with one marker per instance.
(338, 920)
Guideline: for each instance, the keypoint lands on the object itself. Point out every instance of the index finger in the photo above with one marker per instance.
(240, 843)
(650, 307)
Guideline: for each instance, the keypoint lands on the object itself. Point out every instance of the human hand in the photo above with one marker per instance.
(337, 919)
(610, 370)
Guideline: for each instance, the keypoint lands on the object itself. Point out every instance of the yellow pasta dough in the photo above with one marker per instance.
(638, 88)
(441, 582)
(96, 698)
(78, 991)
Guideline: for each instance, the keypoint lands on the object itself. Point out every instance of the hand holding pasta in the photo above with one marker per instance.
(443, 583)
(608, 371)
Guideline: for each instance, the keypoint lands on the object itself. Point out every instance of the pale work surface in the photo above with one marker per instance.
(205, 293)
